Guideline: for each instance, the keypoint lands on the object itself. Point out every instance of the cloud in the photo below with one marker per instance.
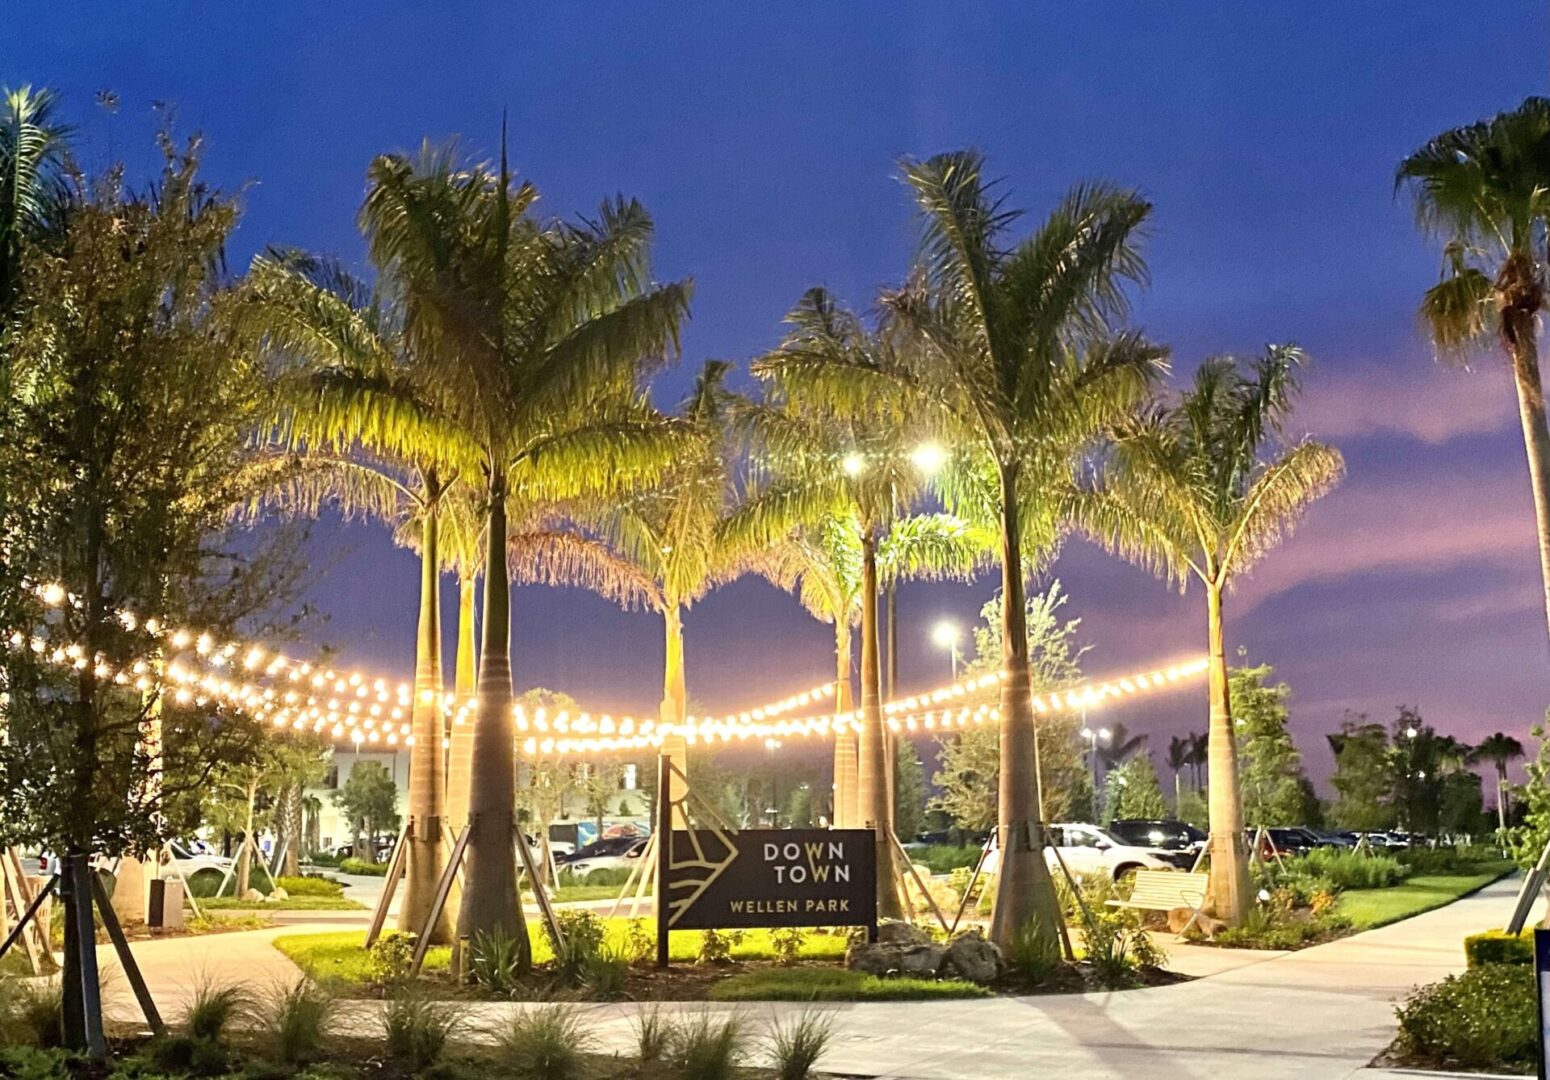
(1411, 397)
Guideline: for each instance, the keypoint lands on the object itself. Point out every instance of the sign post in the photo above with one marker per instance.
(1541, 988)
(664, 851)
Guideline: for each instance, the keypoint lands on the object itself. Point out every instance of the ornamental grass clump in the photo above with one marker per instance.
(214, 1006)
(707, 1048)
(416, 1028)
(296, 1017)
(796, 1045)
(545, 1043)
(653, 1035)
(1031, 956)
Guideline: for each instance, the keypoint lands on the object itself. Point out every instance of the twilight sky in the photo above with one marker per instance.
(764, 139)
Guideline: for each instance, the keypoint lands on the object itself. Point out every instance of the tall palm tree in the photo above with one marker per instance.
(538, 332)
(824, 449)
(34, 149)
(1484, 191)
(1180, 751)
(1199, 754)
(1023, 362)
(1499, 749)
(1121, 747)
(1202, 488)
(374, 439)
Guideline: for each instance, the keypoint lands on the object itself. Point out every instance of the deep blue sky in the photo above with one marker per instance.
(764, 138)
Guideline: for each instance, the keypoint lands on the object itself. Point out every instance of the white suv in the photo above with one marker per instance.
(1089, 851)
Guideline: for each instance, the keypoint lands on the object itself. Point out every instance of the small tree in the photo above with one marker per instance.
(1363, 789)
(1133, 790)
(1530, 838)
(369, 797)
(1269, 764)
(909, 791)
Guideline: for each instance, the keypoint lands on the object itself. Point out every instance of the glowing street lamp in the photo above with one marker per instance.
(853, 463)
(929, 458)
(946, 635)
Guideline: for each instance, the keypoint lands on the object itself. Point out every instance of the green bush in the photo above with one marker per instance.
(1346, 869)
(322, 858)
(1485, 1018)
(310, 885)
(1447, 860)
(797, 1044)
(544, 1044)
(213, 1007)
(416, 1028)
(188, 1055)
(390, 957)
(498, 961)
(579, 949)
(1033, 956)
(361, 867)
(716, 946)
(945, 858)
(1499, 947)
(708, 1048)
(297, 1019)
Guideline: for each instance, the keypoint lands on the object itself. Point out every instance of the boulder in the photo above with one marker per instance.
(922, 961)
(252, 894)
(901, 933)
(278, 895)
(971, 957)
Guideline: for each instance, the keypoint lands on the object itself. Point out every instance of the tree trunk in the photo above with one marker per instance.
(1501, 795)
(245, 852)
(675, 704)
(460, 753)
(1178, 792)
(1025, 895)
(1520, 333)
(845, 764)
(490, 904)
(872, 802)
(1230, 890)
(427, 854)
(293, 830)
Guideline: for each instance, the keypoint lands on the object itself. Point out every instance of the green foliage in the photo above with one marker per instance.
(296, 1017)
(1530, 838)
(1132, 790)
(1367, 908)
(1483, 1019)
(705, 1047)
(390, 957)
(1347, 869)
(416, 1028)
(945, 858)
(836, 984)
(1361, 780)
(1499, 947)
(499, 961)
(351, 865)
(797, 1044)
(310, 886)
(38, 1012)
(716, 946)
(1116, 946)
(1033, 956)
(1192, 808)
(213, 1007)
(580, 945)
(545, 1043)
(188, 1055)
(370, 797)
(909, 790)
(1269, 765)
(653, 1034)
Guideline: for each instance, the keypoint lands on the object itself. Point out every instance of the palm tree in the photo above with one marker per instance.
(537, 333)
(1203, 488)
(1499, 749)
(826, 450)
(1484, 190)
(1199, 754)
(1022, 361)
(1121, 747)
(357, 406)
(34, 148)
(1180, 751)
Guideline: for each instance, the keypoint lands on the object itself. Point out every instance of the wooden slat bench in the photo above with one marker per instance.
(1164, 890)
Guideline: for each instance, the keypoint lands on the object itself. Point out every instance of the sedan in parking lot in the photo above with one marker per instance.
(604, 855)
(1089, 851)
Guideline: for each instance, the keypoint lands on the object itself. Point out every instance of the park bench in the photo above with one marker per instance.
(1165, 890)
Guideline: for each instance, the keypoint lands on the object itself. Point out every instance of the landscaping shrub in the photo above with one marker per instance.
(607, 876)
(716, 946)
(1346, 869)
(604, 972)
(390, 957)
(497, 962)
(1117, 948)
(39, 1015)
(652, 1033)
(310, 885)
(188, 1055)
(544, 1044)
(797, 1044)
(709, 1048)
(1499, 947)
(836, 984)
(361, 867)
(1485, 1018)
(579, 947)
(945, 858)
(1447, 860)
(787, 943)
(1031, 957)
(322, 858)
(297, 1018)
(213, 1006)
(416, 1028)
(640, 941)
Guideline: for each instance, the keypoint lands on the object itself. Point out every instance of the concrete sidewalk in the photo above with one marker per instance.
(1319, 1014)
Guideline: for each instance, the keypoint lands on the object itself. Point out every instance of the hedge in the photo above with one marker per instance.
(1499, 947)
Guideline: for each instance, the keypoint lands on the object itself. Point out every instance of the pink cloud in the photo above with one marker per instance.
(1411, 396)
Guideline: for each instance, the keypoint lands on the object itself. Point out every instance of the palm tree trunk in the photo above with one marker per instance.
(1501, 795)
(490, 904)
(845, 765)
(872, 802)
(1229, 888)
(293, 829)
(1024, 892)
(1178, 792)
(1519, 331)
(245, 853)
(675, 704)
(461, 752)
(427, 854)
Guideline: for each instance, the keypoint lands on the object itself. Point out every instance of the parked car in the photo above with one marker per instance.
(1088, 850)
(1179, 838)
(614, 858)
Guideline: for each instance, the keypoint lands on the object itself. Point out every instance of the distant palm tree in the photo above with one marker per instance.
(1201, 488)
(1180, 751)
(1021, 357)
(1199, 755)
(1499, 749)
(538, 333)
(34, 149)
(1484, 190)
(1121, 747)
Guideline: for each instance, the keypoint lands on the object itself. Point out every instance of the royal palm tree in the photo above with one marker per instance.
(1121, 747)
(1023, 362)
(1199, 754)
(34, 190)
(1499, 749)
(1180, 751)
(1484, 191)
(1203, 487)
(357, 406)
(538, 332)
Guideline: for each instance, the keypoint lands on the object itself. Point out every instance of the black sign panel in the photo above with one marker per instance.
(771, 877)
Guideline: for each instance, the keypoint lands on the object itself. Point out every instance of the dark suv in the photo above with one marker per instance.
(1175, 842)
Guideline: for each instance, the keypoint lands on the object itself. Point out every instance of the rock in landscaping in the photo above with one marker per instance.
(901, 933)
(921, 961)
(252, 894)
(278, 895)
(971, 957)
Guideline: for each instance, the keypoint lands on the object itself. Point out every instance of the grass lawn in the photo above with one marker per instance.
(836, 984)
(294, 903)
(339, 955)
(1370, 908)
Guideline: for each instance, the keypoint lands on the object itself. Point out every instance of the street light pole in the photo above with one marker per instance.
(946, 636)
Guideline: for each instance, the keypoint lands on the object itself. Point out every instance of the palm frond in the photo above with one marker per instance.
(1276, 500)
(559, 557)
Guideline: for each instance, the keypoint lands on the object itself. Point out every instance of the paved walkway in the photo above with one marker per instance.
(1318, 1014)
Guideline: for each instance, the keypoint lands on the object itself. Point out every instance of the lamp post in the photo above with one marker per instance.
(946, 635)
(1093, 738)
